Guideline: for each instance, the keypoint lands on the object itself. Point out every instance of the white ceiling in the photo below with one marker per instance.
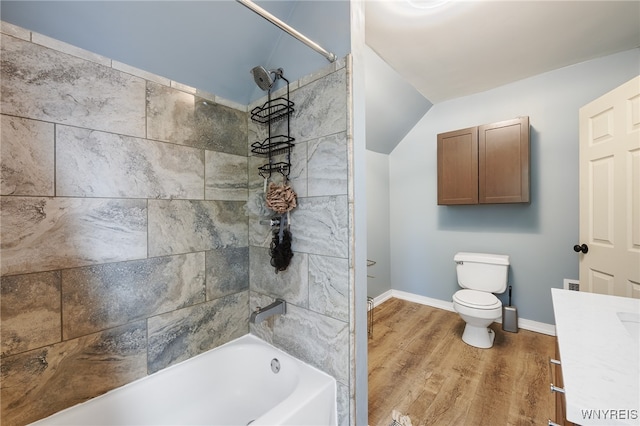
(466, 47)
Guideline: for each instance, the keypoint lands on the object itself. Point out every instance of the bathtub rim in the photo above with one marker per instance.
(322, 380)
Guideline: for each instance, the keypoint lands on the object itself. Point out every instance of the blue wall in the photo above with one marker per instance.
(538, 236)
(378, 209)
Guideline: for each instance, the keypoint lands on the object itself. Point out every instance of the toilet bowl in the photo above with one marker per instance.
(478, 309)
(480, 275)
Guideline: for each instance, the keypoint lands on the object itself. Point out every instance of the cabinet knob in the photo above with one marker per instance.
(581, 248)
(554, 388)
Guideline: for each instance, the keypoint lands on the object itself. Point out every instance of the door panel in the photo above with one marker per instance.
(610, 192)
(633, 251)
(602, 192)
(600, 282)
(503, 161)
(458, 167)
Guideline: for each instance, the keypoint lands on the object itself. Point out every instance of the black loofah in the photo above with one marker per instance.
(280, 251)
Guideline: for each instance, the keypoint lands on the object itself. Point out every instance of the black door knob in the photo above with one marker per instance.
(583, 248)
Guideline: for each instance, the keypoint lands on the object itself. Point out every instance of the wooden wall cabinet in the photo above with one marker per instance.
(485, 164)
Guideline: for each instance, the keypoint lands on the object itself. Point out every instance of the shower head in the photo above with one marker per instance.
(262, 77)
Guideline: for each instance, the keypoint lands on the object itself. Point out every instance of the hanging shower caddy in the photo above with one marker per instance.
(275, 111)
(271, 112)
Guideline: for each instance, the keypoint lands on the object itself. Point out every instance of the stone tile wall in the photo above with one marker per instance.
(124, 242)
(316, 285)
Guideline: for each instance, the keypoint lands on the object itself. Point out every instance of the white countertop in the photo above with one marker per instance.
(600, 358)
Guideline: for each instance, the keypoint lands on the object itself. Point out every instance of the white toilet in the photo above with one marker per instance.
(480, 275)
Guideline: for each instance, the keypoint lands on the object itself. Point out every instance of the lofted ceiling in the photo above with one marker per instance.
(458, 48)
(449, 49)
(417, 56)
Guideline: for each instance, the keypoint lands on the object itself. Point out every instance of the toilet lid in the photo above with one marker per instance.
(476, 299)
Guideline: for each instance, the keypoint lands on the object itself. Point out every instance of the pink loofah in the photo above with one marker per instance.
(280, 198)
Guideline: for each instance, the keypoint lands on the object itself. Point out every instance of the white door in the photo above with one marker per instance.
(610, 193)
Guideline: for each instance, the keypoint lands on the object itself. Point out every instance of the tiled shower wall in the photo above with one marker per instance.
(316, 284)
(124, 236)
(125, 245)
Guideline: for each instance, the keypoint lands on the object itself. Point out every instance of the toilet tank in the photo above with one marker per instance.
(482, 271)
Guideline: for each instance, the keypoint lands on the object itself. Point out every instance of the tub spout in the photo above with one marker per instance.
(261, 314)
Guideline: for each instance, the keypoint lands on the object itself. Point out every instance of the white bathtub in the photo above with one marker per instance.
(231, 385)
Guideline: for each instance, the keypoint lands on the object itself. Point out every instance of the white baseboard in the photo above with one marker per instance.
(382, 298)
(538, 327)
(525, 324)
(423, 300)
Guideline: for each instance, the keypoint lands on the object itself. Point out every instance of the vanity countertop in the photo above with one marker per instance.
(598, 337)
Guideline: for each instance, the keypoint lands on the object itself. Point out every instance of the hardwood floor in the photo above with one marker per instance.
(419, 366)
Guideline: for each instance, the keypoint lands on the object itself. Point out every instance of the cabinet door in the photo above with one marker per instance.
(503, 161)
(458, 167)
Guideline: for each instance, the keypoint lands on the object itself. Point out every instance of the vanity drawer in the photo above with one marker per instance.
(557, 387)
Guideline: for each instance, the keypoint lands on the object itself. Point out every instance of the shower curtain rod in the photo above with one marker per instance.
(289, 29)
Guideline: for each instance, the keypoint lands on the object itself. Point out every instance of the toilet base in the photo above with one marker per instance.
(480, 337)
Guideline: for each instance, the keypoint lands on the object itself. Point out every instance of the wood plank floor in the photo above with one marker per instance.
(419, 366)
